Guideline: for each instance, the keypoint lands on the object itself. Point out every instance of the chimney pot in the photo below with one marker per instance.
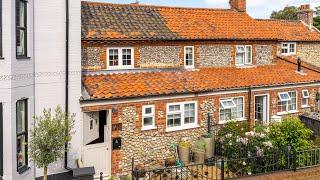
(239, 5)
(305, 14)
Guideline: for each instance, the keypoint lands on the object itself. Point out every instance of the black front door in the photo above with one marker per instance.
(1, 140)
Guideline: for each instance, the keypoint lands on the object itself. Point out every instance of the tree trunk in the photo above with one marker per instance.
(45, 173)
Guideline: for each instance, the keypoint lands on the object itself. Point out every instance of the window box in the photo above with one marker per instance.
(181, 116)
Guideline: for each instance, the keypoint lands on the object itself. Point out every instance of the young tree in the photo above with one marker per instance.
(48, 138)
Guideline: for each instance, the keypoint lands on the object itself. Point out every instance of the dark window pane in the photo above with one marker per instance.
(21, 28)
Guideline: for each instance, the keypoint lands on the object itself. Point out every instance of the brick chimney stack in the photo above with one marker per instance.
(305, 14)
(239, 5)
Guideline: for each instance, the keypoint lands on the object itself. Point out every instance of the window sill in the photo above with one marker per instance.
(23, 169)
(237, 120)
(182, 128)
(119, 68)
(23, 58)
(305, 106)
(148, 128)
(245, 66)
(287, 112)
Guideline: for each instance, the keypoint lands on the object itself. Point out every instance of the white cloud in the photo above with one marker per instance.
(263, 8)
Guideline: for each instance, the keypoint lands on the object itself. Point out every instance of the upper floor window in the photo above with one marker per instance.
(243, 55)
(189, 56)
(231, 109)
(305, 98)
(287, 102)
(22, 135)
(21, 28)
(148, 119)
(288, 48)
(181, 115)
(120, 58)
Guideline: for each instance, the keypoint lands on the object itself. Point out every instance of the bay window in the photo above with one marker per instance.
(231, 109)
(181, 115)
(287, 102)
(22, 135)
(120, 58)
(21, 28)
(148, 117)
(243, 55)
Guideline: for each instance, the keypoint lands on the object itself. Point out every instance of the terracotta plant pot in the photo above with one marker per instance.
(209, 152)
(171, 161)
(199, 155)
(184, 154)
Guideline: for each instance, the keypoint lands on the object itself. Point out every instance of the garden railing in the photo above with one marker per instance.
(224, 168)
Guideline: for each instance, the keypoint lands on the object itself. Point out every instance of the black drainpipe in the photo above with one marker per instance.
(249, 101)
(67, 81)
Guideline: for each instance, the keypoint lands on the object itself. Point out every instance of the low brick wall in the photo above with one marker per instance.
(304, 174)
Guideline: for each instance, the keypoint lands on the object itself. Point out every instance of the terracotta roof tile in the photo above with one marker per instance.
(105, 21)
(111, 86)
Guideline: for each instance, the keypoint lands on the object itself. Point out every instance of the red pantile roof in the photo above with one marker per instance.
(105, 21)
(125, 85)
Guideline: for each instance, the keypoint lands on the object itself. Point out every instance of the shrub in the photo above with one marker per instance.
(290, 132)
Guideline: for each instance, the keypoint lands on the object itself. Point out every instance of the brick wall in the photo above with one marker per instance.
(171, 54)
(154, 144)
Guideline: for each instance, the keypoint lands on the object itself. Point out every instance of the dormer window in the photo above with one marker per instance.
(189, 56)
(120, 58)
(288, 48)
(243, 55)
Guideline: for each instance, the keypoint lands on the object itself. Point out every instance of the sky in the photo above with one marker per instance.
(256, 8)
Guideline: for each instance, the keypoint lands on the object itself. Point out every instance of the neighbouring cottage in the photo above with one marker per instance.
(153, 74)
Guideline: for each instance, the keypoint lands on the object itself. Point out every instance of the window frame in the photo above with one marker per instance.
(183, 126)
(283, 100)
(306, 98)
(185, 58)
(120, 65)
(144, 115)
(24, 134)
(245, 55)
(25, 29)
(288, 48)
(287, 104)
(232, 98)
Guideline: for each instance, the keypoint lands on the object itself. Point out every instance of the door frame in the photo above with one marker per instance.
(107, 144)
(268, 106)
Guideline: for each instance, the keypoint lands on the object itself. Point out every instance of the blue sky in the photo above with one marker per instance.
(256, 8)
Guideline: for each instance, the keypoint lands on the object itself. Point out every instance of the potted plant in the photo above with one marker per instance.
(199, 151)
(184, 152)
(208, 140)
